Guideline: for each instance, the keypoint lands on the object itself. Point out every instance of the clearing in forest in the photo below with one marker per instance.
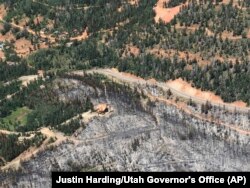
(165, 14)
(185, 87)
(19, 115)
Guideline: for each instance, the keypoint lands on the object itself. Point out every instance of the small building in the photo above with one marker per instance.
(102, 108)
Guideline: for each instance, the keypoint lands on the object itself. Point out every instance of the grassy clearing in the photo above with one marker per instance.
(16, 118)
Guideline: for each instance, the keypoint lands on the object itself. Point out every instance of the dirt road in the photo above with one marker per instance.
(116, 75)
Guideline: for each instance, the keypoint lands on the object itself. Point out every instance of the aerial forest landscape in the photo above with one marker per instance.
(123, 85)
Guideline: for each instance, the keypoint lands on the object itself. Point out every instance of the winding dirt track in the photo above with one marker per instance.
(112, 73)
(133, 80)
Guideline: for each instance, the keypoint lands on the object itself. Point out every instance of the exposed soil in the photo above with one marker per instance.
(185, 87)
(239, 104)
(152, 81)
(235, 2)
(1, 54)
(23, 21)
(7, 37)
(58, 136)
(87, 116)
(32, 151)
(229, 35)
(165, 14)
(23, 47)
(133, 2)
(179, 87)
(7, 132)
(134, 50)
(38, 19)
(83, 36)
(2, 11)
(26, 155)
(209, 32)
(131, 50)
(27, 79)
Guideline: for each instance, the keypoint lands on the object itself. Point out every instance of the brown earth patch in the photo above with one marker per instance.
(83, 36)
(2, 11)
(226, 2)
(7, 37)
(165, 14)
(248, 34)
(101, 108)
(131, 50)
(209, 32)
(152, 81)
(229, 35)
(133, 2)
(239, 104)
(23, 47)
(134, 50)
(50, 24)
(38, 19)
(2, 55)
(185, 87)
(23, 22)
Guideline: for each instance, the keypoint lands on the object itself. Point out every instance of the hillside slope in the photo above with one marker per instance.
(136, 135)
(123, 85)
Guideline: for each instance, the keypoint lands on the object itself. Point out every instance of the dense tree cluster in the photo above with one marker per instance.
(47, 109)
(71, 16)
(11, 146)
(10, 72)
(83, 55)
(71, 127)
(120, 91)
(226, 17)
(174, 3)
(18, 100)
(9, 88)
(223, 78)
(110, 32)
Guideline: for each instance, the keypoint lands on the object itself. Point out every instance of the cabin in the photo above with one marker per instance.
(102, 108)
